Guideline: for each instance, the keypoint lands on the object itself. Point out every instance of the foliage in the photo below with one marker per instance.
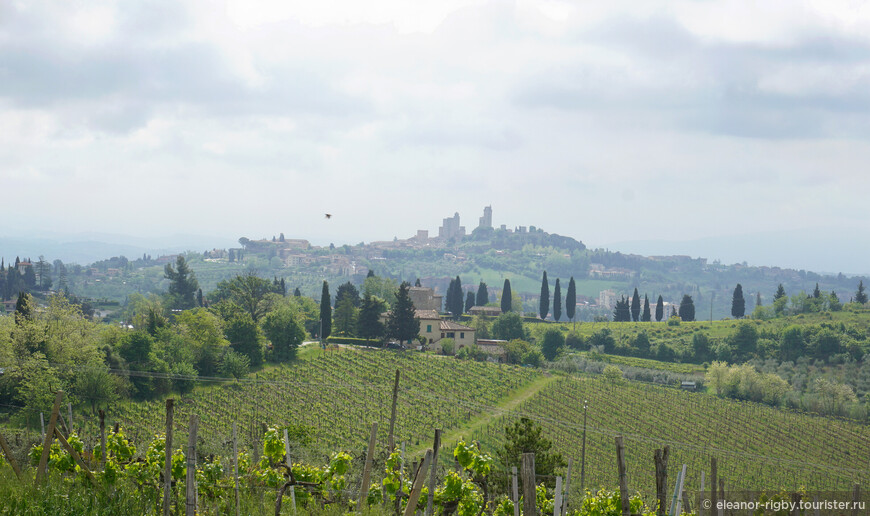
(552, 344)
(544, 306)
(509, 326)
(325, 312)
(402, 324)
(182, 284)
(506, 297)
(687, 308)
(285, 332)
(738, 304)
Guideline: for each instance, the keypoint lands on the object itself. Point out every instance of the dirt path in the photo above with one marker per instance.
(511, 402)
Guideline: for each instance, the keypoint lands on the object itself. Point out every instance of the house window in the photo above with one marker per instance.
(451, 335)
(442, 334)
(462, 335)
(428, 328)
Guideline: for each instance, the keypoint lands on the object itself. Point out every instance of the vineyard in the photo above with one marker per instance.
(757, 447)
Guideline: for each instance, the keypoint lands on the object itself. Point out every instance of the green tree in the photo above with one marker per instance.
(687, 308)
(817, 294)
(203, 332)
(660, 309)
(738, 304)
(506, 296)
(758, 299)
(780, 292)
(622, 311)
(347, 290)
(453, 299)
(508, 326)
(552, 344)
(469, 301)
(482, 295)
(701, 348)
(283, 329)
(325, 312)
(635, 306)
(244, 336)
(860, 295)
(557, 302)
(345, 317)
(402, 324)
(645, 316)
(834, 302)
(369, 325)
(744, 341)
(792, 344)
(182, 284)
(247, 290)
(544, 308)
(526, 436)
(571, 300)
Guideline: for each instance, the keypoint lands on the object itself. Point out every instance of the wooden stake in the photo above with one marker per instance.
(289, 465)
(75, 455)
(69, 407)
(567, 489)
(236, 466)
(103, 451)
(529, 508)
(515, 492)
(430, 504)
(701, 496)
(721, 494)
(49, 437)
(419, 479)
(364, 487)
(167, 467)
(42, 424)
(557, 501)
(714, 496)
(390, 442)
(661, 462)
(11, 458)
(623, 482)
(856, 497)
(190, 496)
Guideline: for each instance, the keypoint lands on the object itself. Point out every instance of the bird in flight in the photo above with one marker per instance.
(328, 215)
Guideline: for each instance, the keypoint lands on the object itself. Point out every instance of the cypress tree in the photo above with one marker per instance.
(571, 300)
(660, 309)
(635, 306)
(417, 283)
(482, 295)
(758, 299)
(402, 323)
(506, 295)
(557, 302)
(469, 301)
(454, 301)
(325, 311)
(738, 304)
(817, 294)
(545, 297)
(780, 292)
(687, 308)
(645, 317)
(297, 292)
(860, 295)
(622, 312)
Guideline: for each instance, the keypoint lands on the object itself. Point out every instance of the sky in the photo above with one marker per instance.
(606, 121)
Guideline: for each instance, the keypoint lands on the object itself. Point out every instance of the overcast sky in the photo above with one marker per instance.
(605, 121)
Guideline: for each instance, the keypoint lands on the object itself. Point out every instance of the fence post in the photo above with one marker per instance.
(529, 508)
(430, 504)
(390, 442)
(564, 511)
(701, 496)
(856, 497)
(49, 436)
(364, 486)
(103, 451)
(190, 498)
(417, 488)
(75, 455)
(11, 458)
(714, 496)
(515, 491)
(557, 500)
(236, 466)
(167, 467)
(623, 482)
(290, 469)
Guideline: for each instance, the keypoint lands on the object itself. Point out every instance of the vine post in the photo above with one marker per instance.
(661, 462)
(11, 458)
(167, 466)
(190, 499)
(567, 488)
(367, 471)
(714, 499)
(856, 497)
(623, 482)
(557, 500)
(529, 508)
(102, 439)
(289, 469)
(49, 436)
(430, 504)
(514, 491)
(390, 441)
(417, 488)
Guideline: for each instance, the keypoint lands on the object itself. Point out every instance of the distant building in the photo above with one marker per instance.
(492, 311)
(607, 299)
(486, 220)
(425, 298)
(494, 348)
(450, 227)
(423, 234)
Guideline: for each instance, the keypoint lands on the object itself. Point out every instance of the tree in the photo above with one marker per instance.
(526, 436)
(780, 292)
(834, 302)
(325, 312)
(469, 301)
(622, 312)
(758, 299)
(860, 295)
(369, 325)
(402, 324)
(545, 297)
(345, 316)
(347, 290)
(182, 284)
(660, 309)
(557, 302)
(817, 294)
(244, 336)
(508, 326)
(285, 332)
(297, 292)
(738, 304)
(635, 306)
(453, 300)
(687, 308)
(744, 341)
(25, 308)
(247, 290)
(571, 300)
(482, 295)
(645, 316)
(506, 296)
(417, 283)
(552, 344)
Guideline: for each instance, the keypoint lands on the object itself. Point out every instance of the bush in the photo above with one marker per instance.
(553, 344)
(448, 346)
(234, 365)
(576, 341)
(674, 320)
(612, 373)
